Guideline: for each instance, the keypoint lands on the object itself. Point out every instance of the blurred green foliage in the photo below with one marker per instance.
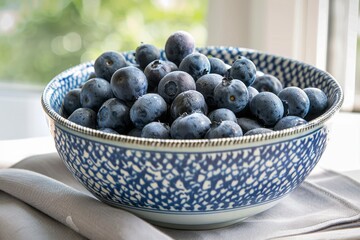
(41, 38)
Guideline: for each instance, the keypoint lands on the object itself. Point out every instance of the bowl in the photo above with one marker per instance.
(194, 184)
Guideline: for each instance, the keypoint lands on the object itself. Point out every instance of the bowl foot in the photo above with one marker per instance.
(199, 220)
(196, 226)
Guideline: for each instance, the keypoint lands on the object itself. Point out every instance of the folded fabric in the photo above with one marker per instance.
(78, 211)
(39, 199)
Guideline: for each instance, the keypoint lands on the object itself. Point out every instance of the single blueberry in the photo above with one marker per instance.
(267, 108)
(218, 66)
(258, 131)
(190, 126)
(224, 129)
(94, 93)
(246, 111)
(196, 64)
(154, 72)
(295, 100)
(107, 63)
(145, 54)
(91, 76)
(174, 83)
(84, 116)
(259, 74)
(72, 101)
(231, 94)
(206, 85)
(108, 130)
(156, 130)
(173, 66)
(188, 102)
(248, 124)
(267, 83)
(131, 64)
(148, 108)
(135, 132)
(114, 114)
(318, 102)
(222, 114)
(178, 46)
(244, 70)
(289, 122)
(128, 84)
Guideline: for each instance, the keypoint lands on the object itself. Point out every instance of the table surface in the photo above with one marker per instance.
(342, 153)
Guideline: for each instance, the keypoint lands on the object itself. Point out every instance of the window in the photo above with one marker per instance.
(320, 32)
(39, 39)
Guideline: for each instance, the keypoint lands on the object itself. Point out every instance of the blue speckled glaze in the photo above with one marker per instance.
(195, 177)
(196, 181)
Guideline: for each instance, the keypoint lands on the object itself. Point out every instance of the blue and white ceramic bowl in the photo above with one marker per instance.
(194, 183)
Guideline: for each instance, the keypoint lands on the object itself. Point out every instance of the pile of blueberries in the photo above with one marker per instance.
(187, 96)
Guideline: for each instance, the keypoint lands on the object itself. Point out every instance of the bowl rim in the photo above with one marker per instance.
(193, 143)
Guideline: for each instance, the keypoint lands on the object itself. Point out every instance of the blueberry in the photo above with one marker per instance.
(252, 92)
(131, 64)
(288, 122)
(178, 46)
(114, 114)
(190, 126)
(107, 63)
(156, 130)
(128, 84)
(222, 114)
(248, 124)
(295, 100)
(206, 85)
(258, 131)
(108, 130)
(318, 102)
(267, 83)
(72, 101)
(218, 66)
(231, 94)
(173, 66)
(224, 129)
(243, 69)
(145, 54)
(259, 74)
(94, 93)
(246, 111)
(135, 132)
(188, 102)
(91, 76)
(175, 83)
(84, 116)
(148, 108)
(154, 72)
(267, 108)
(196, 64)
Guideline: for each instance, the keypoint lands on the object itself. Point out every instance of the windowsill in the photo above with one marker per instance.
(22, 115)
(342, 153)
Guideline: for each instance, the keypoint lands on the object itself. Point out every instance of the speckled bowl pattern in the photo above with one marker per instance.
(194, 183)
